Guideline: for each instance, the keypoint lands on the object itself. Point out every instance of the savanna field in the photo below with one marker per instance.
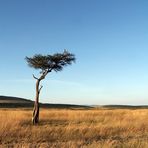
(74, 128)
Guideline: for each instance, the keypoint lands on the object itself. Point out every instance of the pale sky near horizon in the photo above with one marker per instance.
(108, 37)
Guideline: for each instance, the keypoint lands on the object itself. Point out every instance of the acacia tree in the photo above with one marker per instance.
(47, 64)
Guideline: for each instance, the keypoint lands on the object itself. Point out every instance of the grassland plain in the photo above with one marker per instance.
(75, 128)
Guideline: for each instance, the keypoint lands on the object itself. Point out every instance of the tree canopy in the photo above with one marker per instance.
(48, 63)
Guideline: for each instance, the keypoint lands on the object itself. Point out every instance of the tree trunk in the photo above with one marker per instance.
(35, 117)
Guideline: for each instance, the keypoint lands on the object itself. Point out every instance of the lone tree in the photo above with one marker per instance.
(47, 64)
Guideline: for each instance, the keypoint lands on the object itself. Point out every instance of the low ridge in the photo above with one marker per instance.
(16, 102)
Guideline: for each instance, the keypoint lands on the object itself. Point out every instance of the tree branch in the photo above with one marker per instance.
(49, 70)
(35, 77)
(44, 75)
(40, 88)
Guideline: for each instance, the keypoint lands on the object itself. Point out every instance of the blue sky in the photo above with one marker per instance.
(108, 37)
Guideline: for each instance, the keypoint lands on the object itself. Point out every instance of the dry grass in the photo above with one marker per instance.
(97, 128)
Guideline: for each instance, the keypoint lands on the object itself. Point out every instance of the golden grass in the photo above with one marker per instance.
(96, 128)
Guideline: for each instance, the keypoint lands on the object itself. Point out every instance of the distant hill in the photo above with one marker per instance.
(9, 99)
(15, 102)
(122, 106)
(12, 102)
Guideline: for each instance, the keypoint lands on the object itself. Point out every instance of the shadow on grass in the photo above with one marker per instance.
(53, 122)
(43, 122)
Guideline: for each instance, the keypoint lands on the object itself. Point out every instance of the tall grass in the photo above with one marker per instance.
(97, 128)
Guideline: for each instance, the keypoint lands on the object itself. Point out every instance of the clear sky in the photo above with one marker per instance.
(108, 37)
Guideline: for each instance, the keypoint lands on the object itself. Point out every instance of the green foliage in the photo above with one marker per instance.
(48, 63)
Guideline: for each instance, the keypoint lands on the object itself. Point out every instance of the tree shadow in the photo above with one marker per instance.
(55, 122)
